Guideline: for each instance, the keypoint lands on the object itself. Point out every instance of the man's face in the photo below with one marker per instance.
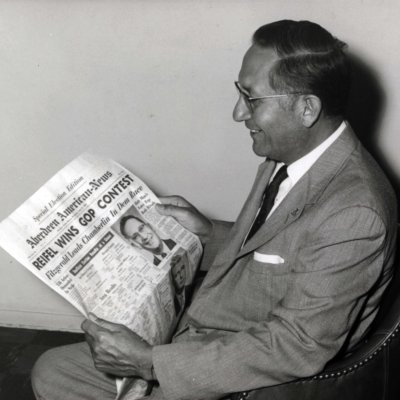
(142, 235)
(178, 272)
(273, 123)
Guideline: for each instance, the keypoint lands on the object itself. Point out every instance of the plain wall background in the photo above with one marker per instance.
(150, 84)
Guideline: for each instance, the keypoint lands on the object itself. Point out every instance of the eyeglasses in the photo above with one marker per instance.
(250, 101)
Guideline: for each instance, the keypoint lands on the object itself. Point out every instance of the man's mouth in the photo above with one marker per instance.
(254, 132)
(147, 240)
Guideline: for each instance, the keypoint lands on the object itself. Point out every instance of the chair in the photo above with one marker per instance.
(372, 372)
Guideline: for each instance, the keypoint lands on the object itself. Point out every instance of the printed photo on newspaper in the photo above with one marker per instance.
(92, 234)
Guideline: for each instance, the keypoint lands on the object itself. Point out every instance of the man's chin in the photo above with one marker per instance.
(259, 152)
(155, 249)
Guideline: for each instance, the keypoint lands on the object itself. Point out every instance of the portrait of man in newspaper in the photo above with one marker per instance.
(179, 274)
(142, 235)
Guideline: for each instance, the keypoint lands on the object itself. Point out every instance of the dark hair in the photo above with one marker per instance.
(311, 61)
(123, 222)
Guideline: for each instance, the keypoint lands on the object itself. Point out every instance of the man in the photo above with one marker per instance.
(143, 236)
(297, 278)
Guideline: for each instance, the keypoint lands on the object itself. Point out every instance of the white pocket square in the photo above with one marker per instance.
(268, 258)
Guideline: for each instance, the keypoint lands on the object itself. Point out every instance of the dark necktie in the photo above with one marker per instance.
(268, 200)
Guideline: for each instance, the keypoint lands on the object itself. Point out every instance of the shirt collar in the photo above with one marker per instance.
(297, 169)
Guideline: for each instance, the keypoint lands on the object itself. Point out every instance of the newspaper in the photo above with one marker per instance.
(93, 235)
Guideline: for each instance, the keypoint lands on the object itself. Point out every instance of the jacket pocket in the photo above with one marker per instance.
(273, 269)
(266, 285)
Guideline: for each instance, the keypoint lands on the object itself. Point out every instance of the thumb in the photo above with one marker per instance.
(168, 209)
(93, 317)
(178, 201)
(101, 322)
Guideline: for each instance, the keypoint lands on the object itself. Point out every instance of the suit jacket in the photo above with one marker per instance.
(304, 287)
(170, 245)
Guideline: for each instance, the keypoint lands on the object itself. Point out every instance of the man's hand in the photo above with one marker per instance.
(117, 350)
(187, 215)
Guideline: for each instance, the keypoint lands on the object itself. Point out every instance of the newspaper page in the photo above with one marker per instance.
(92, 234)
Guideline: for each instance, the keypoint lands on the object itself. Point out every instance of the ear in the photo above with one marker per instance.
(311, 107)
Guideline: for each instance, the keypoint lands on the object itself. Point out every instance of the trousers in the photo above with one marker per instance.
(68, 373)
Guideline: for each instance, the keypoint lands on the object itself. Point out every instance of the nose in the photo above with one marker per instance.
(142, 236)
(241, 111)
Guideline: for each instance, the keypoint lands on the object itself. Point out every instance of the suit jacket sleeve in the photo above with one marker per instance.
(219, 232)
(340, 264)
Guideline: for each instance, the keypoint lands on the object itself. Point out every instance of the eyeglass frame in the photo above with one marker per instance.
(249, 99)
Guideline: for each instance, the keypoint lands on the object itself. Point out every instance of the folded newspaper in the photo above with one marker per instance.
(92, 234)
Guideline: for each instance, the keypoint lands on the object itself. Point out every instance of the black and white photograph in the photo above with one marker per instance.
(268, 131)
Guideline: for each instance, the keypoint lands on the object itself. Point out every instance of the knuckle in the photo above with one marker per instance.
(101, 337)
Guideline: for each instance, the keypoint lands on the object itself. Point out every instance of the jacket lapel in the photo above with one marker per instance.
(288, 211)
(306, 191)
